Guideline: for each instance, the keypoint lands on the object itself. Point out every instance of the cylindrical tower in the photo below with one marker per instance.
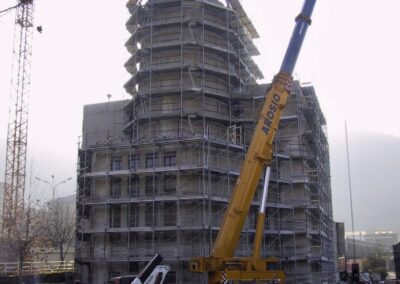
(190, 64)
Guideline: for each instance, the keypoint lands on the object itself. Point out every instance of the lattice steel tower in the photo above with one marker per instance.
(17, 133)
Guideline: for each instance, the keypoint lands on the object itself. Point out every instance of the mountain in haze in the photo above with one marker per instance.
(374, 164)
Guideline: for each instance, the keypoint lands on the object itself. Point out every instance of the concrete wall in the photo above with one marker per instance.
(104, 122)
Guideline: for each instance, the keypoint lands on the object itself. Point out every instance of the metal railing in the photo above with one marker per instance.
(34, 268)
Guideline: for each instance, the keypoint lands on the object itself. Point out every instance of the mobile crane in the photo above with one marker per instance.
(222, 266)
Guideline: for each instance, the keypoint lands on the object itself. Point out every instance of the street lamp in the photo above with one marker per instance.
(52, 184)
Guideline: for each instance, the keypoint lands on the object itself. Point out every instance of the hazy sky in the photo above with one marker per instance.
(351, 56)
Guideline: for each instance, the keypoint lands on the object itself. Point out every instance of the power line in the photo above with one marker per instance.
(10, 8)
(5, 13)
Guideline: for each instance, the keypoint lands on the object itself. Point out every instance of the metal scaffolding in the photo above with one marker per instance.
(156, 176)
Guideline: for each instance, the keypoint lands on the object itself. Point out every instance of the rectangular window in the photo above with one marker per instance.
(134, 186)
(134, 162)
(134, 267)
(116, 163)
(115, 216)
(169, 184)
(169, 237)
(148, 212)
(115, 188)
(148, 236)
(150, 186)
(151, 160)
(237, 110)
(148, 241)
(170, 159)
(134, 240)
(87, 211)
(114, 237)
(169, 214)
(133, 218)
(87, 191)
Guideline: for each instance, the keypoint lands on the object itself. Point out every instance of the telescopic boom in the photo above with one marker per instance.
(221, 264)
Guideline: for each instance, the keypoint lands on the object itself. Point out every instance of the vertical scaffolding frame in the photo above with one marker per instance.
(193, 87)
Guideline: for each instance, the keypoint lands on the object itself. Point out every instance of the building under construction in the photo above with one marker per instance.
(156, 172)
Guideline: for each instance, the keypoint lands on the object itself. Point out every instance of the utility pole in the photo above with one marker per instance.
(354, 266)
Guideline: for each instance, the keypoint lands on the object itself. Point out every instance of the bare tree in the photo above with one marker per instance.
(61, 227)
(26, 235)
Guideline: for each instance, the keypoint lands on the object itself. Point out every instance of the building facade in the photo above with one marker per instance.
(156, 172)
(396, 254)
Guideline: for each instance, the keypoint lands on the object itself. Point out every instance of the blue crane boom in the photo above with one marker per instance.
(303, 20)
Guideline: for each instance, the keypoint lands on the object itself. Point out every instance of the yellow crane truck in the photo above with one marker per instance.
(221, 265)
